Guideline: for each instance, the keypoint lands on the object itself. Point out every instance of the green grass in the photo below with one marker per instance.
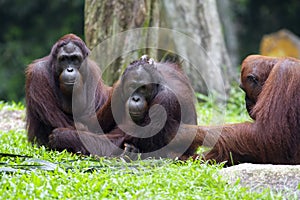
(61, 175)
(11, 106)
(210, 111)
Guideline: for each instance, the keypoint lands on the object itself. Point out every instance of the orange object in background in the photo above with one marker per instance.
(280, 44)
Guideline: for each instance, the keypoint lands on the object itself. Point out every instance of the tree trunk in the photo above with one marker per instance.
(196, 18)
(230, 29)
(105, 18)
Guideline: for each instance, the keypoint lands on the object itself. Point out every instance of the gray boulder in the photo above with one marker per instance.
(283, 179)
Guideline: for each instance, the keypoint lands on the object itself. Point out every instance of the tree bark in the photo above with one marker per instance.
(229, 24)
(105, 18)
(198, 19)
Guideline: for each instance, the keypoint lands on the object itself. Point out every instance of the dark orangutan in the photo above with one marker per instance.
(62, 85)
(148, 104)
(146, 89)
(273, 137)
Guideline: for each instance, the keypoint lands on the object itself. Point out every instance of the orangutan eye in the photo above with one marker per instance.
(252, 78)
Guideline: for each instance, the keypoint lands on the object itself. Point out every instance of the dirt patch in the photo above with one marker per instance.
(12, 119)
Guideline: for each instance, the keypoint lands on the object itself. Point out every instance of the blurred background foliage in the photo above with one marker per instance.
(254, 18)
(28, 29)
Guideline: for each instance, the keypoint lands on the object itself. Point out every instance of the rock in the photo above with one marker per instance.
(280, 44)
(279, 178)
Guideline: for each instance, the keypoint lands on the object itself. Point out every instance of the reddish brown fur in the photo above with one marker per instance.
(254, 72)
(45, 105)
(274, 136)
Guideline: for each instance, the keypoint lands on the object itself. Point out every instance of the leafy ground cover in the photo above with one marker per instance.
(31, 172)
